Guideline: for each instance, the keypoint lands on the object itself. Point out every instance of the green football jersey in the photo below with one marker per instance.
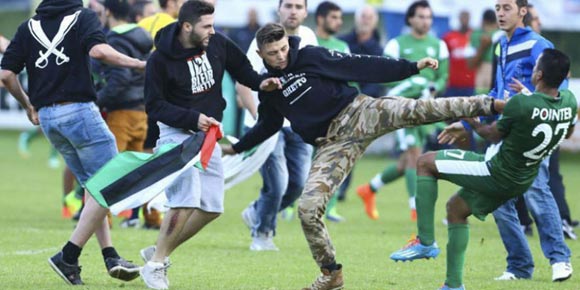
(408, 47)
(334, 44)
(533, 126)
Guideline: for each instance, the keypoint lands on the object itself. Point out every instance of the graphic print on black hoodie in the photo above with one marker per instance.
(54, 46)
(181, 83)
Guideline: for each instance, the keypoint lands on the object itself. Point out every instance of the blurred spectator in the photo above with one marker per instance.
(461, 76)
(243, 36)
(482, 61)
(141, 9)
(365, 39)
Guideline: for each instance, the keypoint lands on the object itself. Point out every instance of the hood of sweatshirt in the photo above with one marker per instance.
(294, 43)
(137, 36)
(54, 8)
(167, 42)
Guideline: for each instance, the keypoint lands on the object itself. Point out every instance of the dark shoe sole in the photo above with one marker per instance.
(563, 279)
(125, 274)
(57, 270)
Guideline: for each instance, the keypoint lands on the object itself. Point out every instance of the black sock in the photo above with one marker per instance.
(331, 267)
(71, 253)
(109, 252)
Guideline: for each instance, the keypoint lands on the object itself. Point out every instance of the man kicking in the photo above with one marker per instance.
(530, 129)
(329, 114)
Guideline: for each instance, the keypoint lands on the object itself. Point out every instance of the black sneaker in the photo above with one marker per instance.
(121, 269)
(71, 274)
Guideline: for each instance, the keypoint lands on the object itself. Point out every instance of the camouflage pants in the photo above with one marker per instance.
(364, 120)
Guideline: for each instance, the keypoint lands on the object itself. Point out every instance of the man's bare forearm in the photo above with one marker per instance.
(13, 86)
(486, 131)
(247, 99)
(111, 56)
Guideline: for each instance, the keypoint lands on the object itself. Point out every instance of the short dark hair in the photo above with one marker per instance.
(280, 3)
(119, 8)
(163, 3)
(522, 3)
(137, 9)
(269, 33)
(528, 17)
(555, 66)
(489, 16)
(192, 10)
(326, 7)
(413, 9)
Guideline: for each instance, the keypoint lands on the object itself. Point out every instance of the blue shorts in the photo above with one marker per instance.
(80, 134)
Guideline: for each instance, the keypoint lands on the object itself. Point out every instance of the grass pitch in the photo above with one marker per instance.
(219, 257)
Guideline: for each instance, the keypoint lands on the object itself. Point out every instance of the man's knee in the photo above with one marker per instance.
(308, 208)
(457, 210)
(426, 164)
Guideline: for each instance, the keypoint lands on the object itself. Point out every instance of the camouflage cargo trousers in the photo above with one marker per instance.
(350, 132)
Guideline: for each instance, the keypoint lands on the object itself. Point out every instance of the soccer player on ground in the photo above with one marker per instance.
(61, 100)
(328, 23)
(183, 94)
(328, 113)
(414, 46)
(531, 128)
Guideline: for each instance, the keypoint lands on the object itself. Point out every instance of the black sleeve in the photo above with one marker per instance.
(118, 79)
(157, 106)
(90, 30)
(15, 56)
(238, 65)
(269, 122)
(357, 67)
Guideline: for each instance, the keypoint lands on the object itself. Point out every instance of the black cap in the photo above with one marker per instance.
(119, 8)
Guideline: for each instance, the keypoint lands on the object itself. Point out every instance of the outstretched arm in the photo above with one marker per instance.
(12, 84)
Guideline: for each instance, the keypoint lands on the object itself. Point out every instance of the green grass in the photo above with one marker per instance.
(218, 258)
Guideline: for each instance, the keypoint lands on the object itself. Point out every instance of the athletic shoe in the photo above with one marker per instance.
(121, 269)
(574, 223)
(155, 275)
(415, 250)
(66, 212)
(368, 197)
(147, 253)
(287, 214)
(561, 271)
(73, 203)
(413, 214)
(130, 223)
(506, 276)
(249, 216)
(333, 216)
(71, 274)
(23, 149)
(328, 280)
(263, 242)
(445, 287)
(568, 231)
(528, 230)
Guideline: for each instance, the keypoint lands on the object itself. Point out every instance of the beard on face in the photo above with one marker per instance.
(196, 40)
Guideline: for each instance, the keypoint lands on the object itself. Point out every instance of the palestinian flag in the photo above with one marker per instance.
(134, 178)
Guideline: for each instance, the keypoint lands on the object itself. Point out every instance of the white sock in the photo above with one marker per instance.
(412, 202)
(376, 182)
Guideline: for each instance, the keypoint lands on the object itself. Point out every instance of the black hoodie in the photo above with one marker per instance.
(64, 75)
(182, 83)
(315, 90)
(124, 89)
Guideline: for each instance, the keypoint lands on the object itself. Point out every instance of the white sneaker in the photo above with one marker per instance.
(147, 253)
(263, 242)
(249, 216)
(506, 276)
(561, 271)
(155, 275)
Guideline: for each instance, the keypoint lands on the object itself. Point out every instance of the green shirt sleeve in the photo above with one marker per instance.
(510, 113)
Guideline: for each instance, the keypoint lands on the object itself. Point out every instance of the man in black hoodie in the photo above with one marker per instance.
(329, 114)
(183, 94)
(55, 46)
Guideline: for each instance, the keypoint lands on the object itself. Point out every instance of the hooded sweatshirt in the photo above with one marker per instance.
(124, 89)
(57, 63)
(181, 83)
(315, 90)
